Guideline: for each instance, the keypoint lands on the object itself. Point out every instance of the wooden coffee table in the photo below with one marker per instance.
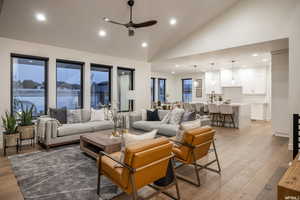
(93, 143)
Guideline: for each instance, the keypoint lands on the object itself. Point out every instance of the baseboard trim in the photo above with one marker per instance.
(277, 134)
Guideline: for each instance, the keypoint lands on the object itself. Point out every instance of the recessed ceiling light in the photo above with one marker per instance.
(106, 19)
(177, 66)
(244, 65)
(265, 60)
(255, 55)
(102, 33)
(40, 17)
(173, 21)
(144, 44)
(173, 72)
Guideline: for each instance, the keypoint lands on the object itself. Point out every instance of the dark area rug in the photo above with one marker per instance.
(61, 174)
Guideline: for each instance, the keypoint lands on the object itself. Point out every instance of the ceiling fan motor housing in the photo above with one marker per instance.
(130, 3)
(130, 32)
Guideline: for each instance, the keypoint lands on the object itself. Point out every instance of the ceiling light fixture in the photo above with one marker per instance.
(173, 21)
(40, 17)
(232, 77)
(144, 44)
(265, 60)
(173, 72)
(177, 66)
(196, 83)
(102, 33)
(255, 55)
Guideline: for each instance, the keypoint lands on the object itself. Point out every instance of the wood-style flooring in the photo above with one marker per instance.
(250, 160)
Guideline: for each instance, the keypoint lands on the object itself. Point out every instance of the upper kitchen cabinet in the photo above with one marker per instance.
(254, 80)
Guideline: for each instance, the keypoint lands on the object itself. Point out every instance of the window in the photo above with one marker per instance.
(125, 83)
(69, 84)
(100, 85)
(29, 83)
(153, 89)
(162, 90)
(187, 85)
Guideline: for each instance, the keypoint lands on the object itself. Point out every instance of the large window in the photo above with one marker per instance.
(29, 83)
(162, 90)
(69, 84)
(153, 89)
(187, 85)
(125, 83)
(100, 85)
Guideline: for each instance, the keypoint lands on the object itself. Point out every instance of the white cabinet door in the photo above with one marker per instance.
(231, 78)
(253, 80)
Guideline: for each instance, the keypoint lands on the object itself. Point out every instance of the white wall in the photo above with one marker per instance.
(170, 82)
(249, 22)
(280, 78)
(8, 46)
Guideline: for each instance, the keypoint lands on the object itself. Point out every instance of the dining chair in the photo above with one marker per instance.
(214, 111)
(226, 111)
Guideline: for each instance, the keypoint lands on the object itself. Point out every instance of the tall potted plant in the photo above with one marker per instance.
(10, 135)
(26, 126)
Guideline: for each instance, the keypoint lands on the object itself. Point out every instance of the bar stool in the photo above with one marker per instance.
(227, 111)
(214, 111)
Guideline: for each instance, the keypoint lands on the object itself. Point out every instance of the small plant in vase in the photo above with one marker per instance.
(26, 126)
(10, 135)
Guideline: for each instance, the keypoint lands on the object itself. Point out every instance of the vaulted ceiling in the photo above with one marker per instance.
(75, 23)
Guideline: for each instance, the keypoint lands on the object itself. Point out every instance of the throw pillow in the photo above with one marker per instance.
(176, 116)
(166, 118)
(74, 116)
(144, 114)
(59, 114)
(131, 139)
(152, 115)
(188, 116)
(85, 115)
(97, 115)
(190, 125)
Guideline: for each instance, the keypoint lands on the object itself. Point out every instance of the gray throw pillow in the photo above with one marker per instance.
(188, 116)
(73, 116)
(85, 115)
(176, 116)
(59, 114)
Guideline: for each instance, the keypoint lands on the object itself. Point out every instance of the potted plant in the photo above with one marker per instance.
(10, 135)
(26, 126)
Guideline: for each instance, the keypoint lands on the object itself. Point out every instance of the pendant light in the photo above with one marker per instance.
(213, 82)
(232, 77)
(196, 84)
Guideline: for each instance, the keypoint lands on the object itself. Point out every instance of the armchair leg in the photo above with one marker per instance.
(134, 191)
(99, 176)
(217, 158)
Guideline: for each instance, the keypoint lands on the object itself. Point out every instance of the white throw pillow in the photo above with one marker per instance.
(133, 139)
(144, 114)
(130, 139)
(166, 118)
(97, 115)
(176, 116)
(73, 116)
(190, 125)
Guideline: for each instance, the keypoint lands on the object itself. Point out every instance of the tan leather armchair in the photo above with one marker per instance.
(143, 164)
(195, 145)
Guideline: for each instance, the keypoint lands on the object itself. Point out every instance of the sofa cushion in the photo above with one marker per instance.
(101, 125)
(162, 114)
(146, 125)
(176, 116)
(73, 129)
(169, 130)
(59, 114)
(74, 116)
(152, 115)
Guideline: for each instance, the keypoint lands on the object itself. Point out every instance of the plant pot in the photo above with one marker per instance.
(11, 140)
(26, 132)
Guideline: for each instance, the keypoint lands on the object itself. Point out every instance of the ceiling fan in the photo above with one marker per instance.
(131, 25)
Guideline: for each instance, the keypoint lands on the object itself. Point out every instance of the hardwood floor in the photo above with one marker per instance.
(251, 160)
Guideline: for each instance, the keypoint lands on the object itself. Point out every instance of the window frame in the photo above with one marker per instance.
(23, 56)
(81, 77)
(158, 90)
(109, 67)
(131, 88)
(182, 89)
(153, 80)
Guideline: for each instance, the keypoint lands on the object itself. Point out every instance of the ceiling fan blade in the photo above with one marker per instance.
(144, 24)
(113, 22)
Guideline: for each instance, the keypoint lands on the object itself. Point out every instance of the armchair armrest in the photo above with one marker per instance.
(102, 153)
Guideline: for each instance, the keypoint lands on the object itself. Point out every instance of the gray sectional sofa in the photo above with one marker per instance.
(51, 133)
(165, 129)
